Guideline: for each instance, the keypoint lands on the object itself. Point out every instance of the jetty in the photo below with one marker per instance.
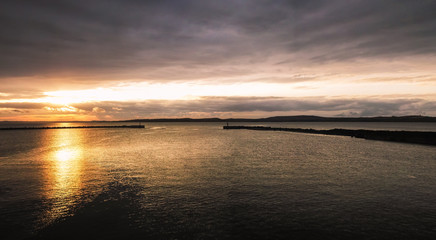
(418, 137)
(73, 127)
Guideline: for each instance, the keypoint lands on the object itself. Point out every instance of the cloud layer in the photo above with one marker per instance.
(224, 107)
(77, 44)
(185, 39)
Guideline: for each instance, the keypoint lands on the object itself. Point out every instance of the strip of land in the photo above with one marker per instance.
(300, 118)
(70, 127)
(427, 138)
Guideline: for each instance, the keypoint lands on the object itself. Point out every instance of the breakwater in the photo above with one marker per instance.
(72, 127)
(427, 138)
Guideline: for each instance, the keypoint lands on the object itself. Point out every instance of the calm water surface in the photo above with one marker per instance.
(197, 181)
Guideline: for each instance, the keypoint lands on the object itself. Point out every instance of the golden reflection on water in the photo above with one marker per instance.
(63, 176)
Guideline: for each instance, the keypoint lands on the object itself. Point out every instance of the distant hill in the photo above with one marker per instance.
(300, 118)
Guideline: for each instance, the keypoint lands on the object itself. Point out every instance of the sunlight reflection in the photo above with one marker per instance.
(63, 177)
(65, 154)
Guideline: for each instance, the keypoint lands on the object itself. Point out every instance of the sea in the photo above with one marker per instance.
(198, 181)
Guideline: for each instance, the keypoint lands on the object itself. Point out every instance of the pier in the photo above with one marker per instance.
(72, 127)
(427, 138)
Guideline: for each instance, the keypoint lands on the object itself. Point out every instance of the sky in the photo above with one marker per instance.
(127, 59)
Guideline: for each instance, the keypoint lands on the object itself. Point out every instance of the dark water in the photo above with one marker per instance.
(197, 181)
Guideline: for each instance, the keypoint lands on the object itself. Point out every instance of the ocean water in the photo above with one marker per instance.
(198, 181)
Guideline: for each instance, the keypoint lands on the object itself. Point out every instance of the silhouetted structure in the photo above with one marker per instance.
(70, 127)
(428, 138)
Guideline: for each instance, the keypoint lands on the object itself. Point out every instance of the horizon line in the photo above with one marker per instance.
(310, 118)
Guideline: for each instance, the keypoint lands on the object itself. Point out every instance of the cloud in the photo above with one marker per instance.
(9, 92)
(22, 105)
(98, 110)
(49, 46)
(225, 107)
(189, 39)
(263, 106)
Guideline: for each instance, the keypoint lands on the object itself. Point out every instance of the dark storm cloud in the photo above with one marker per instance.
(160, 39)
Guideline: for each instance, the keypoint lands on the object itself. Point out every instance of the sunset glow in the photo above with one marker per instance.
(217, 119)
(302, 61)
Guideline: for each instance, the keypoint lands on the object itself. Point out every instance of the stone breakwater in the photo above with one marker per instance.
(427, 138)
(72, 127)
